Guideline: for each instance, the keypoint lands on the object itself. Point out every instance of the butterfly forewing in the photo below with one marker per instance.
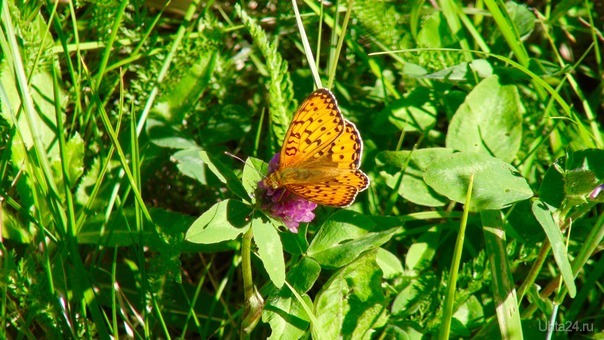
(346, 150)
(316, 124)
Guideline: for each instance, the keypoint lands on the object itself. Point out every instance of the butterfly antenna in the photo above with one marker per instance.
(234, 156)
(242, 161)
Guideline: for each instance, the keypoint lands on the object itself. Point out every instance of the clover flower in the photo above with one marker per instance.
(594, 194)
(283, 204)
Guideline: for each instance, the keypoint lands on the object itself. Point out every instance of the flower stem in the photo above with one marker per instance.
(253, 301)
(246, 264)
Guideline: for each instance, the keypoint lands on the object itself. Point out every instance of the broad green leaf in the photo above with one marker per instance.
(435, 32)
(551, 190)
(489, 121)
(351, 304)
(543, 213)
(74, 158)
(13, 228)
(222, 222)
(389, 263)
(413, 186)
(287, 317)
(414, 112)
(270, 250)
(470, 313)
(497, 184)
(413, 70)
(283, 311)
(253, 172)
(522, 18)
(224, 174)
(168, 135)
(421, 253)
(190, 164)
(344, 236)
(41, 91)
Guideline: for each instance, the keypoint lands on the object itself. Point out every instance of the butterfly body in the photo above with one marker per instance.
(321, 154)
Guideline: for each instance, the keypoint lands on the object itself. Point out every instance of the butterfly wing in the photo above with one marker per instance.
(316, 124)
(346, 150)
(338, 164)
(338, 192)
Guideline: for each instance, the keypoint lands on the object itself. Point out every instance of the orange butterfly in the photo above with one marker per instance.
(321, 154)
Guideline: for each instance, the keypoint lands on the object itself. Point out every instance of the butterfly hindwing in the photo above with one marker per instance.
(339, 191)
(325, 194)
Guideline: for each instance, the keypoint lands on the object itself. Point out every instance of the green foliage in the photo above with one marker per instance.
(281, 102)
(122, 217)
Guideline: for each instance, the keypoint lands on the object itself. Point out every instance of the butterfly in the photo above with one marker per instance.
(321, 154)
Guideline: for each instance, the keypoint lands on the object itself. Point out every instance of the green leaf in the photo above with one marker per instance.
(573, 178)
(413, 70)
(435, 32)
(287, 317)
(551, 190)
(470, 313)
(225, 175)
(504, 291)
(421, 253)
(344, 236)
(270, 250)
(497, 184)
(403, 331)
(584, 171)
(408, 299)
(222, 222)
(41, 91)
(168, 135)
(489, 121)
(413, 187)
(351, 304)
(522, 18)
(280, 92)
(253, 172)
(543, 213)
(229, 122)
(389, 263)
(13, 228)
(464, 71)
(169, 227)
(189, 163)
(283, 312)
(178, 100)
(74, 158)
(414, 112)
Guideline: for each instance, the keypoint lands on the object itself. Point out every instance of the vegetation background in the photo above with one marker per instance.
(115, 116)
